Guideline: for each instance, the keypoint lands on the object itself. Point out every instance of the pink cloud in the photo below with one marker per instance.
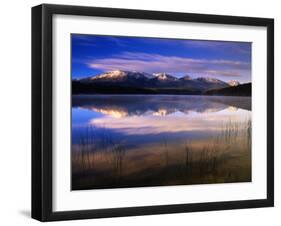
(172, 64)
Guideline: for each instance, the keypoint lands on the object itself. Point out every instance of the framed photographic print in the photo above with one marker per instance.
(146, 112)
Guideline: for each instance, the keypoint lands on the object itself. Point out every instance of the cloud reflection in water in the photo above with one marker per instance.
(163, 114)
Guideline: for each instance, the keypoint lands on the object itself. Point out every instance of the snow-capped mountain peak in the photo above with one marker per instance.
(208, 79)
(143, 80)
(164, 76)
(119, 74)
(111, 75)
(233, 83)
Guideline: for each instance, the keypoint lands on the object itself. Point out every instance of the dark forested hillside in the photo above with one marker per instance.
(240, 90)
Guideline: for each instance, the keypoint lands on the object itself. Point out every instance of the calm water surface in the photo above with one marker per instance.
(153, 140)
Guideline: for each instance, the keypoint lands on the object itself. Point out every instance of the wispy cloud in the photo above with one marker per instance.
(171, 64)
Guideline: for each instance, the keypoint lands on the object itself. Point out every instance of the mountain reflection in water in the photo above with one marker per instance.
(152, 140)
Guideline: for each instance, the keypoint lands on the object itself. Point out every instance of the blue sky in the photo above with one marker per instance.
(95, 54)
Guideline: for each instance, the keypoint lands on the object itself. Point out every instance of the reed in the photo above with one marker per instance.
(101, 160)
(118, 154)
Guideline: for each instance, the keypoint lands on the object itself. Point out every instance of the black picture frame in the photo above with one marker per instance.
(42, 111)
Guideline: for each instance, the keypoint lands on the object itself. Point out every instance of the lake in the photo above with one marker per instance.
(159, 140)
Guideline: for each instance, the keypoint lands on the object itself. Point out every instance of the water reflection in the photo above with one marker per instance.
(149, 140)
(124, 105)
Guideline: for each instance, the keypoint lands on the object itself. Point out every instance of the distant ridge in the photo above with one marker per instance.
(131, 82)
(239, 90)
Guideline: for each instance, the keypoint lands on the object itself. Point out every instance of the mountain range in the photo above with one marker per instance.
(119, 81)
